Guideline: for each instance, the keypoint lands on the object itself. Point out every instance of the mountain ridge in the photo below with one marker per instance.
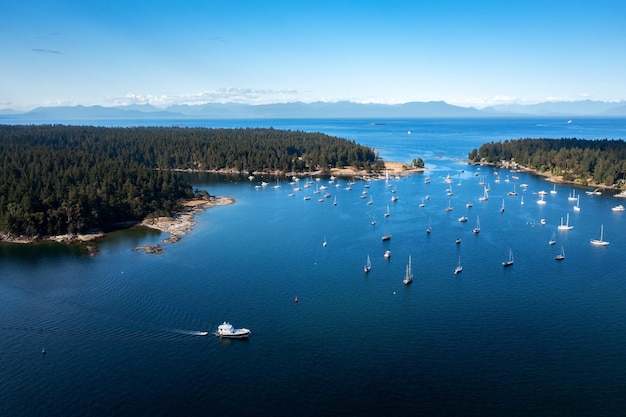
(319, 109)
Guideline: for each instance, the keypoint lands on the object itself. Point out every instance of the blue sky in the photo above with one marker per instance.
(469, 53)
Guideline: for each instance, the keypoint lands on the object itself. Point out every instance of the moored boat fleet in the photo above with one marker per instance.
(544, 197)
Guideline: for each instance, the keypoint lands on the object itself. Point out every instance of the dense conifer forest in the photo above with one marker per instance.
(57, 179)
(576, 160)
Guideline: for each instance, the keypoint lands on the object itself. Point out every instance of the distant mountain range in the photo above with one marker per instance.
(342, 109)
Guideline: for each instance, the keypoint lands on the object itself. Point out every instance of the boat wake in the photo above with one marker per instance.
(190, 332)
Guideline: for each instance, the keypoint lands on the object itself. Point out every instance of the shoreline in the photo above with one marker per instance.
(181, 223)
(556, 179)
(177, 225)
(393, 168)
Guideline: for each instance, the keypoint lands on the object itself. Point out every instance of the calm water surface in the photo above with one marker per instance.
(542, 337)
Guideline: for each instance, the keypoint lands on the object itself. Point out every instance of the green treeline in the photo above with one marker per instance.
(71, 179)
(578, 160)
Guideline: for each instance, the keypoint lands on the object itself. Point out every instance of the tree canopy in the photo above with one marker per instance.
(577, 160)
(57, 179)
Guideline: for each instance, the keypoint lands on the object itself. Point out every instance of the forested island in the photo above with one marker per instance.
(57, 179)
(585, 162)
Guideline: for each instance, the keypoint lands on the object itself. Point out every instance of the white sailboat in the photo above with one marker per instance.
(387, 213)
(422, 203)
(449, 208)
(561, 255)
(485, 196)
(368, 265)
(477, 228)
(601, 241)
(429, 228)
(566, 226)
(408, 276)
(325, 242)
(553, 191)
(552, 240)
(541, 201)
(458, 268)
(577, 206)
(572, 196)
(509, 261)
(502, 208)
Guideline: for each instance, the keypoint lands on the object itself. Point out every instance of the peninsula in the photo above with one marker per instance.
(70, 183)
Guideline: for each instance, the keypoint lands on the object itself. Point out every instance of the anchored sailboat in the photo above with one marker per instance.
(477, 228)
(565, 226)
(368, 266)
(408, 276)
(601, 241)
(509, 261)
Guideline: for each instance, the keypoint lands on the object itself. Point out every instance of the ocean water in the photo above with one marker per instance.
(542, 337)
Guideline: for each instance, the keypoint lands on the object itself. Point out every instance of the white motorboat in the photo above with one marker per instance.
(226, 330)
(618, 208)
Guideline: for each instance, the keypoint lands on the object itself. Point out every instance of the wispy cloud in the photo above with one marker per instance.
(223, 95)
(47, 51)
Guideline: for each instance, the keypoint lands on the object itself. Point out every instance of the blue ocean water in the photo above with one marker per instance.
(538, 338)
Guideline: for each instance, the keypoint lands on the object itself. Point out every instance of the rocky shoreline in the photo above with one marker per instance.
(181, 223)
(178, 225)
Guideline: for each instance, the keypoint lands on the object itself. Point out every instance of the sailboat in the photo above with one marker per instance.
(502, 208)
(600, 242)
(509, 261)
(522, 201)
(577, 206)
(374, 220)
(325, 242)
(565, 226)
(387, 213)
(541, 200)
(572, 196)
(513, 193)
(561, 255)
(429, 228)
(368, 266)
(553, 191)
(408, 276)
(552, 240)
(477, 228)
(449, 208)
(335, 201)
(485, 196)
(459, 268)
(422, 203)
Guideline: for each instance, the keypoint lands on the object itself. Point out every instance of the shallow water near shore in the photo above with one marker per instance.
(538, 338)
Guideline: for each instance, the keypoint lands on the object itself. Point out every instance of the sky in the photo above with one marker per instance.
(464, 52)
